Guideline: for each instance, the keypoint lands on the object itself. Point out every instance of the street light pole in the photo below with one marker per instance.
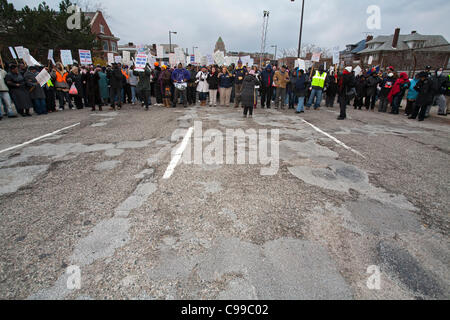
(276, 47)
(301, 30)
(170, 40)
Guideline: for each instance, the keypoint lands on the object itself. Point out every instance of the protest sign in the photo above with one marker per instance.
(245, 60)
(126, 56)
(118, 59)
(50, 56)
(110, 58)
(198, 55)
(85, 57)
(13, 53)
(300, 64)
(336, 55)
(19, 51)
(151, 60)
(209, 59)
(179, 55)
(172, 59)
(160, 52)
(370, 60)
(316, 57)
(43, 77)
(140, 62)
(203, 61)
(28, 58)
(66, 57)
(219, 58)
(357, 70)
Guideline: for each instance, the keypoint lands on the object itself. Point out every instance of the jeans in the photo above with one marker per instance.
(315, 93)
(301, 104)
(39, 106)
(396, 103)
(177, 93)
(266, 96)
(133, 94)
(343, 105)
(5, 100)
(202, 96)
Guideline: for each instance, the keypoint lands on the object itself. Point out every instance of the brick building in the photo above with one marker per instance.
(407, 52)
(107, 40)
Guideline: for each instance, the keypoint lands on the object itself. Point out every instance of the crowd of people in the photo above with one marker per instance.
(95, 86)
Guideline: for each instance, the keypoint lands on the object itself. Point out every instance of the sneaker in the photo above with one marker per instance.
(60, 109)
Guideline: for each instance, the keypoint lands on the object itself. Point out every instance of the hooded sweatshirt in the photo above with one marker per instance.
(398, 86)
(267, 77)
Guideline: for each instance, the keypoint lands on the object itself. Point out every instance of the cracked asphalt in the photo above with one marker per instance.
(94, 197)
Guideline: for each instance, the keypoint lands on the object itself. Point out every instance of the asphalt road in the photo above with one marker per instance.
(370, 192)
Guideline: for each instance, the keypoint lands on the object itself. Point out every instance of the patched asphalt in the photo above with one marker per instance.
(94, 197)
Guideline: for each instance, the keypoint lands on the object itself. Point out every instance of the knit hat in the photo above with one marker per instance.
(156, 64)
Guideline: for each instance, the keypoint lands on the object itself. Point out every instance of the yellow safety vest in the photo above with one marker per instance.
(319, 80)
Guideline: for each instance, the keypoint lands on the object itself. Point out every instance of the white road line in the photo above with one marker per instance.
(39, 138)
(177, 156)
(334, 139)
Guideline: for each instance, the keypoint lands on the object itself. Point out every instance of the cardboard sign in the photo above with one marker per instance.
(140, 62)
(209, 59)
(172, 59)
(370, 60)
(19, 51)
(13, 53)
(66, 57)
(336, 55)
(179, 56)
(300, 64)
(357, 70)
(219, 58)
(43, 77)
(110, 58)
(118, 59)
(316, 57)
(85, 57)
(126, 57)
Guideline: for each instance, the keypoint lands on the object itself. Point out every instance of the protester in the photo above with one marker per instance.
(75, 80)
(386, 87)
(300, 86)
(397, 93)
(280, 80)
(202, 85)
(225, 86)
(248, 93)
(411, 96)
(213, 83)
(165, 80)
(133, 81)
(238, 74)
(440, 85)
(59, 75)
(180, 77)
(19, 91)
(5, 98)
(360, 91)
(116, 78)
(93, 88)
(425, 97)
(157, 85)
(371, 90)
(346, 85)
(103, 84)
(331, 85)
(50, 94)
(266, 86)
(37, 93)
(143, 85)
(317, 85)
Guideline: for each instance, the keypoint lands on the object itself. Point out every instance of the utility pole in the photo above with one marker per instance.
(301, 30)
(276, 47)
(264, 35)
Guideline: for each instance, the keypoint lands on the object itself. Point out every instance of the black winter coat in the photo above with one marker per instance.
(426, 92)
(248, 90)
(115, 77)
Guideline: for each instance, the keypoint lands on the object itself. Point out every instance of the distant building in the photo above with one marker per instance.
(407, 52)
(220, 45)
(351, 55)
(99, 27)
(253, 55)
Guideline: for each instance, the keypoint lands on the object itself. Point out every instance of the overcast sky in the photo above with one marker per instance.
(239, 22)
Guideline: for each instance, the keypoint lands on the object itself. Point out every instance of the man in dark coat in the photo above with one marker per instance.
(266, 86)
(371, 90)
(93, 88)
(37, 94)
(115, 77)
(346, 83)
(425, 97)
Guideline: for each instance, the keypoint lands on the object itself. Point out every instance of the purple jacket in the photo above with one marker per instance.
(181, 75)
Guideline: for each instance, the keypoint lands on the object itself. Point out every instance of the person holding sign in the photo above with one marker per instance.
(180, 77)
(37, 94)
(317, 84)
(61, 85)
